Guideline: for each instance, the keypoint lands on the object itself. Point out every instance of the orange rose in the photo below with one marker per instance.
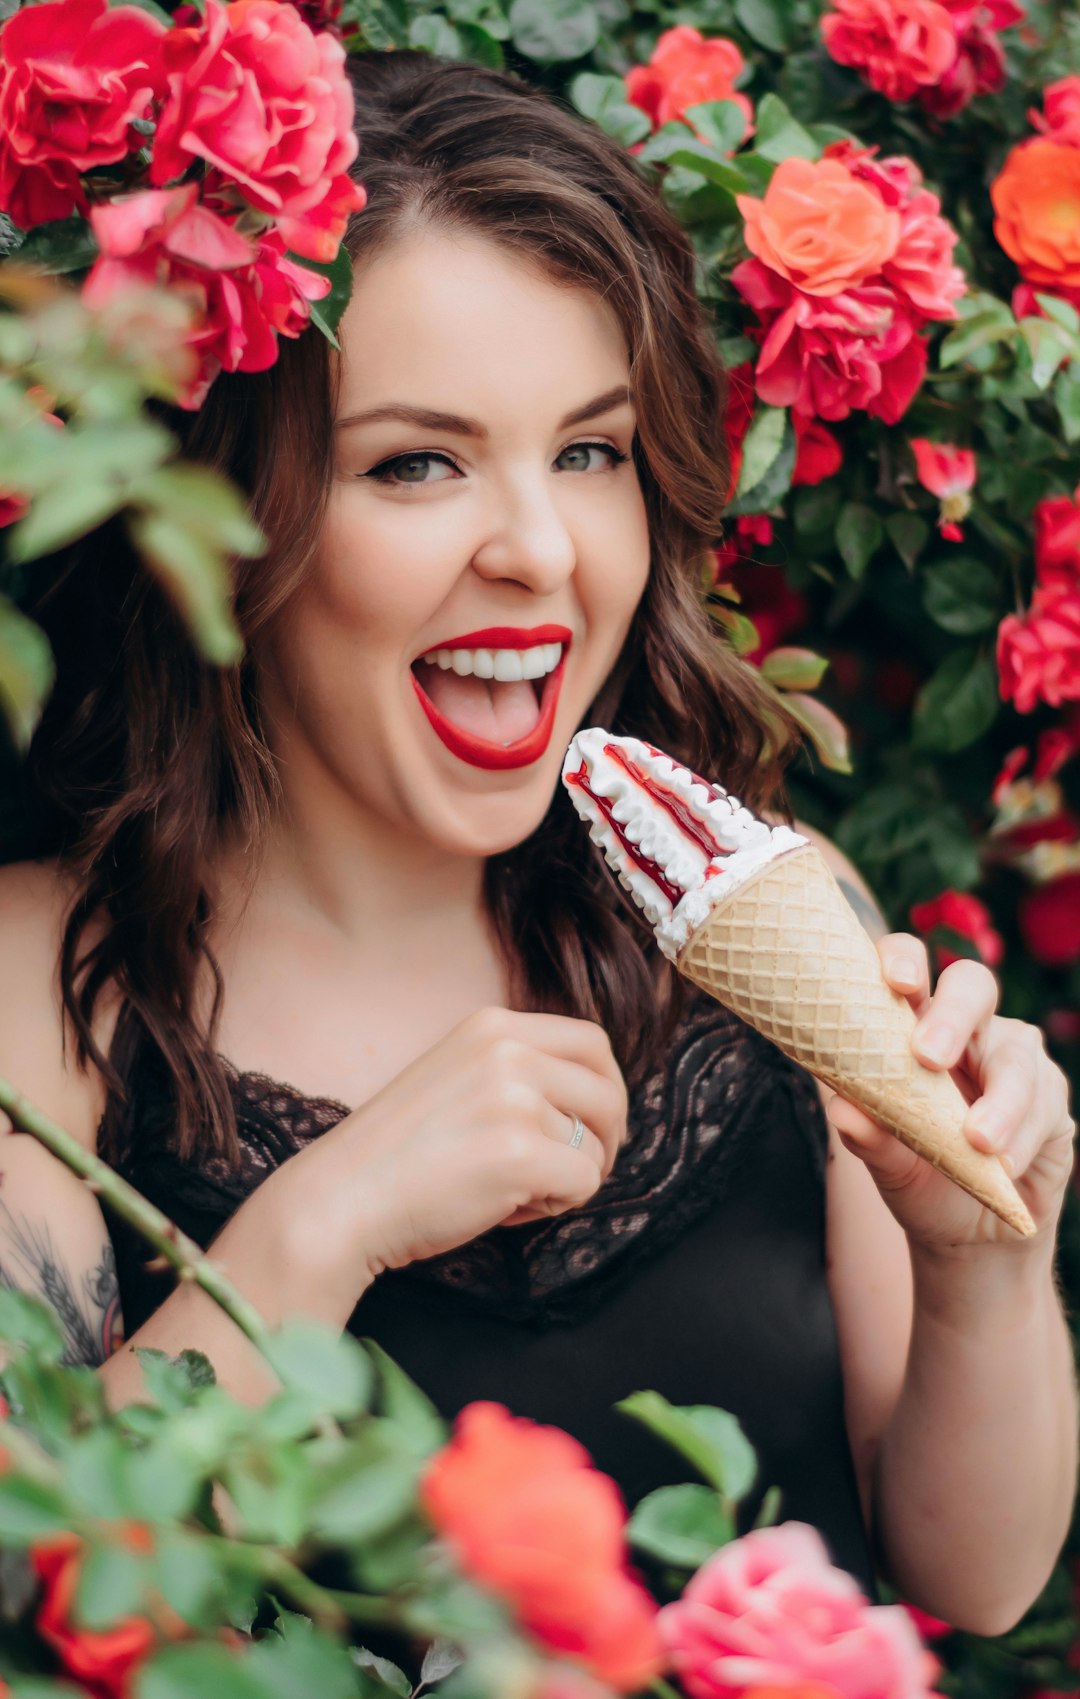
(1037, 201)
(820, 227)
(529, 1517)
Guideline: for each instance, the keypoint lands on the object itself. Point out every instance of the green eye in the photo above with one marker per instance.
(575, 458)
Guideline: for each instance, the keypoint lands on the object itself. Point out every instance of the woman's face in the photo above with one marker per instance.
(484, 549)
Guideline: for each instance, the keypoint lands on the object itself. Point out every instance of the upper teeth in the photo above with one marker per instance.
(505, 665)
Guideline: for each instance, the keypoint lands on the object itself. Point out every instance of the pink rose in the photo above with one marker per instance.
(1057, 541)
(263, 99)
(73, 76)
(899, 46)
(979, 67)
(896, 178)
(1060, 116)
(949, 473)
(817, 454)
(687, 70)
(1038, 654)
(244, 295)
(825, 358)
(770, 1610)
(922, 267)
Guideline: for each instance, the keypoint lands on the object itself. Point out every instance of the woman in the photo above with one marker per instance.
(348, 866)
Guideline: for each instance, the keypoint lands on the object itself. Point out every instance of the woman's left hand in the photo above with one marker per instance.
(1019, 1106)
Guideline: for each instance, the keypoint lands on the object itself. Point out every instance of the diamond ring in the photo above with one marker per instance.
(578, 1133)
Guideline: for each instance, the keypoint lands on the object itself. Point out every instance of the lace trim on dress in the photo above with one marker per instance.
(690, 1124)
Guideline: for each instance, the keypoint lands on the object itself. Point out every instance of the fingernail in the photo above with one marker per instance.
(989, 1125)
(902, 970)
(936, 1042)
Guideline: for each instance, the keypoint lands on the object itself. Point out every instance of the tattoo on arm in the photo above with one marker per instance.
(90, 1320)
(868, 913)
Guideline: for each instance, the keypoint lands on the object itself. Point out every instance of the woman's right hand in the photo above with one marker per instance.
(474, 1134)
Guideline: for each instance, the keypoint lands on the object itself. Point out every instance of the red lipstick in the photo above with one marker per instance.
(478, 751)
(505, 637)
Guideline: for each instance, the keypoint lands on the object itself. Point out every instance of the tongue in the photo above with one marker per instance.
(498, 713)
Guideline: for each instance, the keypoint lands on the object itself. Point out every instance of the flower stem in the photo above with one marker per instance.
(183, 1253)
(663, 1689)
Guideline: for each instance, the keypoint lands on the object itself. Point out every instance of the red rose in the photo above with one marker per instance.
(899, 46)
(73, 76)
(686, 70)
(528, 1516)
(1057, 541)
(1049, 919)
(949, 473)
(738, 412)
(824, 358)
(1060, 116)
(922, 268)
(765, 597)
(965, 914)
(817, 455)
(12, 507)
(245, 295)
(263, 99)
(105, 1659)
(979, 67)
(1038, 654)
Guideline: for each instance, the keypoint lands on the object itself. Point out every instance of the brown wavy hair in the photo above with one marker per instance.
(153, 760)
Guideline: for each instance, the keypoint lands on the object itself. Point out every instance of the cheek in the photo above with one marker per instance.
(380, 570)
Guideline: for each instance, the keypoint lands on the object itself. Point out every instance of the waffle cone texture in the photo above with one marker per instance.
(787, 954)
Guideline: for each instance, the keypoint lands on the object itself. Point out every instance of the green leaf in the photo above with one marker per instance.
(859, 535)
(27, 673)
(480, 47)
(187, 1571)
(30, 1511)
(909, 534)
(815, 510)
(331, 1368)
(766, 22)
(767, 464)
(737, 350)
(958, 704)
(1067, 397)
(603, 99)
(487, 15)
(683, 1525)
(326, 314)
(982, 320)
(298, 1658)
(1049, 347)
(194, 574)
(720, 123)
(195, 1671)
(826, 731)
(1062, 312)
(110, 1585)
(551, 31)
(59, 515)
(380, 1676)
(962, 594)
(710, 1439)
(62, 245)
(779, 136)
(364, 1500)
(435, 34)
(401, 1401)
(674, 144)
(31, 1323)
(794, 669)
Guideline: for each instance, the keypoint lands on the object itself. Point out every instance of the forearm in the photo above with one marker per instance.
(976, 1473)
(252, 1252)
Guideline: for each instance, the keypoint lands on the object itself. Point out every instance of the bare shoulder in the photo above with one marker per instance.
(35, 898)
(849, 879)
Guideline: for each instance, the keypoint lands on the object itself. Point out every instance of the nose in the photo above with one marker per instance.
(526, 541)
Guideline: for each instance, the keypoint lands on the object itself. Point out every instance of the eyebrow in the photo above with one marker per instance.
(430, 419)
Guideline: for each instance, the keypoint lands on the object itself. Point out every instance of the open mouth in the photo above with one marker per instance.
(491, 696)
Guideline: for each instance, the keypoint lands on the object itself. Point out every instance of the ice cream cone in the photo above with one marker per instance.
(787, 954)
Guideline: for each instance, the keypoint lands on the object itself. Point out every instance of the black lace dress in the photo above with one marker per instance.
(697, 1270)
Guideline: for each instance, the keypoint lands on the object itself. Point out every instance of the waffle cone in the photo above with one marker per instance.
(787, 954)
